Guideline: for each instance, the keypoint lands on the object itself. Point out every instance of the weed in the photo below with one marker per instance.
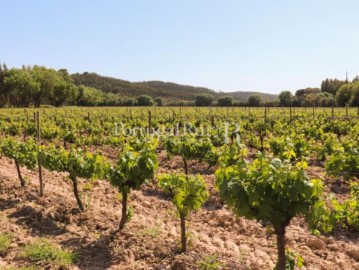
(209, 263)
(5, 241)
(44, 251)
(153, 232)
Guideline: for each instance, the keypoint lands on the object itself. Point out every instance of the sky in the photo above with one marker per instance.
(239, 45)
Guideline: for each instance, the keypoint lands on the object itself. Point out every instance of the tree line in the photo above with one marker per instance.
(38, 85)
(333, 92)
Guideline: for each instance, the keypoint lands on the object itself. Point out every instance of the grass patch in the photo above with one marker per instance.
(153, 232)
(44, 251)
(5, 241)
(209, 263)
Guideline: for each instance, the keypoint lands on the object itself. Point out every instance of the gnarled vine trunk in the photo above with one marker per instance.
(76, 193)
(22, 181)
(124, 210)
(185, 166)
(183, 233)
(280, 232)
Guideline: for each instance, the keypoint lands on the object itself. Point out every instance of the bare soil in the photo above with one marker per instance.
(151, 239)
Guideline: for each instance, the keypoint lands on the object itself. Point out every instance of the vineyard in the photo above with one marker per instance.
(179, 188)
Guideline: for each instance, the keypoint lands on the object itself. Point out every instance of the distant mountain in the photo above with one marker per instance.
(166, 90)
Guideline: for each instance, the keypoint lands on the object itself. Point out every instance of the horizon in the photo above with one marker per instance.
(227, 46)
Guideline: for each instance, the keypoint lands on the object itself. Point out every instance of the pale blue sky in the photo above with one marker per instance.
(224, 45)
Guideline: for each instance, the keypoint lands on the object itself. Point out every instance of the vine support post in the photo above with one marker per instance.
(346, 111)
(332, 111)
(212, 120)
(38, 140)
(313, 111)
(290, 114)
(265, 119)
(149, 122)
(27, 123)
(27, 116)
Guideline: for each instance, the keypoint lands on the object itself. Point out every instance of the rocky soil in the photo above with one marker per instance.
(151, 239)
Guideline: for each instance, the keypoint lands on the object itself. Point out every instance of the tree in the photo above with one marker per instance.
(225, 101)
(188, 193)
(269, 190)
(344, 95)
(48, 79)
(331, 85)
(111, 99)
(285, 99)
(89, 96)
(307, 96)
(159, 101)
(145, 100)
(254, 101)
(325, 100)
(355, 94)
(126, 101)
(21, 87)
(203, 100)
(3, 97)
(64, 88)
(36, 85)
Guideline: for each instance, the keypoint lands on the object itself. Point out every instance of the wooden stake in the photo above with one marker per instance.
(265, 119)
(38, 137)
(149, 122)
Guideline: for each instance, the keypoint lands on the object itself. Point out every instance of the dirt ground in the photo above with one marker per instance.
(151, 239)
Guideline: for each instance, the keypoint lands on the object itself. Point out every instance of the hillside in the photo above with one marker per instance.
(170, 91)
(166, 90)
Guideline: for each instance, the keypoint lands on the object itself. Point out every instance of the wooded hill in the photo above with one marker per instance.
(166, 90)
